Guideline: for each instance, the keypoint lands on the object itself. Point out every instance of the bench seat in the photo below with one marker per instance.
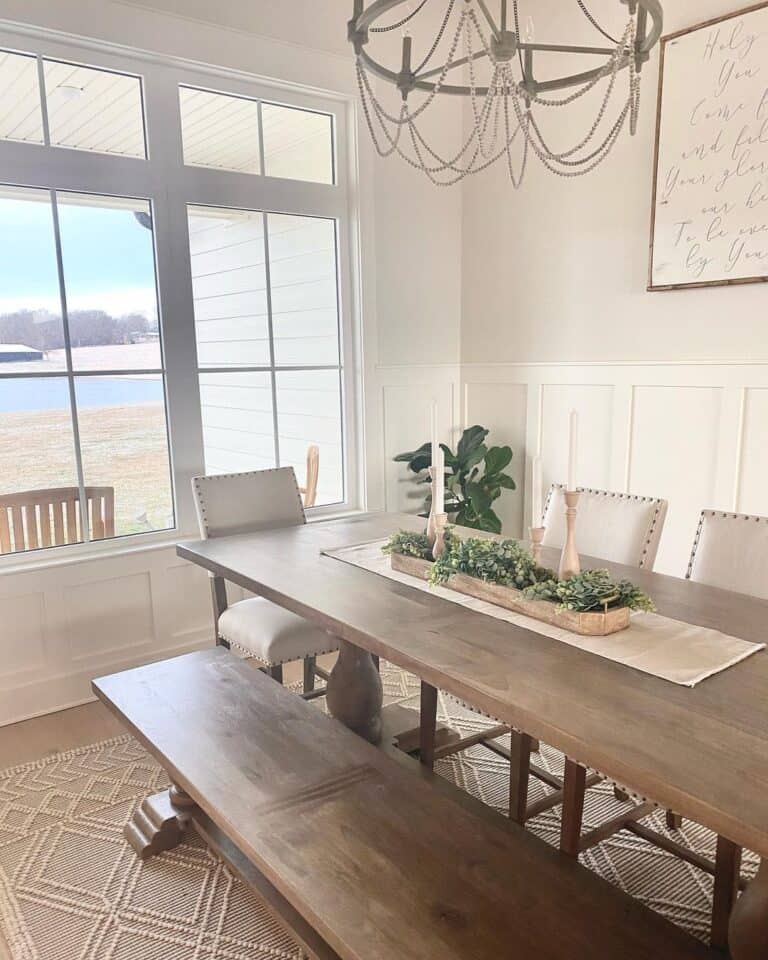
(359, 849)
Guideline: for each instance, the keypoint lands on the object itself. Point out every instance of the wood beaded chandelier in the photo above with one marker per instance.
(497, 59)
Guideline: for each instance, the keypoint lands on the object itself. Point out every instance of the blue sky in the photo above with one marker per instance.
(108, 258)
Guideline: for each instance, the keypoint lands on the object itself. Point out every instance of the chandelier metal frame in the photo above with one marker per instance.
(501, 46)
(506, 45)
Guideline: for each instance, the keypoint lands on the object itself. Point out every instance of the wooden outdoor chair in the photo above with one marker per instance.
(51, 518)
(309, 492)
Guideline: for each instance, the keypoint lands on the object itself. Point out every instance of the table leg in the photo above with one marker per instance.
(158, 822)
(748, 930)
(354, 694)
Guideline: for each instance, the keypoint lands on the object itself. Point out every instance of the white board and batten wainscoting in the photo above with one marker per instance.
(710, 212)
(690, 432)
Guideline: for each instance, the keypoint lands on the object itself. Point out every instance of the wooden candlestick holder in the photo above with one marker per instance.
(570, 565)
(431, 527)
(537, 537)
(441, 523)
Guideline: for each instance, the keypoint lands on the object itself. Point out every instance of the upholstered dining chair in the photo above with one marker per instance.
(256, 628)
(619, 527)
(730, 550)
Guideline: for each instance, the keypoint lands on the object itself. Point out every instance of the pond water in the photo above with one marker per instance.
(53, 394)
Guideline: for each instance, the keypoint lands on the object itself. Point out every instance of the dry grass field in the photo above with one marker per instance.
(123, 447)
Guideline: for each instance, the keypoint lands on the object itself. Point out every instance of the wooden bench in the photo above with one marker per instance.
(361, 856)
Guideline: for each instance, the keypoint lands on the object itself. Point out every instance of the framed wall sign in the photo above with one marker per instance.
(709, 218)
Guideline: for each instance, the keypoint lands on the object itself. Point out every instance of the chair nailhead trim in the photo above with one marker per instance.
(230, 476)
(660, 504)
(725, 515)
(249, 655)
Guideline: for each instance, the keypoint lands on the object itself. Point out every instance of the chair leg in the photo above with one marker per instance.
(726, 892)
(427, 725)
(574, 788)
(309, 674)
(674, 820)
(221, 642)
(520, 748)
(276, 672)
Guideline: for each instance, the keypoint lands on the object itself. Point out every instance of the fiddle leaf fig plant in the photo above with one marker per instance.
(474, 478)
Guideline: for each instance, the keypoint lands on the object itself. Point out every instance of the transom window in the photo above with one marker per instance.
(139, 347)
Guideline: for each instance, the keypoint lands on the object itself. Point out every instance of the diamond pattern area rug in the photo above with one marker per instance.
(72, 889)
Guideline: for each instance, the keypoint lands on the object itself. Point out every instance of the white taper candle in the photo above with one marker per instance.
(536, 492)
(573, 451)
(439, 475)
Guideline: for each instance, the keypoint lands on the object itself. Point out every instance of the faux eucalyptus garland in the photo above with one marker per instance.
(504, 562)
(409, 544)
(509, 564)
(591, 590)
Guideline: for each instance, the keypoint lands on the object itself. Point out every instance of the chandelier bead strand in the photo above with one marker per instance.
(504, 109)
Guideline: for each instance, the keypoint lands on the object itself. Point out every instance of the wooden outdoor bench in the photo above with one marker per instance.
(362, 857)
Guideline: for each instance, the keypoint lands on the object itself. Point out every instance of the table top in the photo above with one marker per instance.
(702, 752)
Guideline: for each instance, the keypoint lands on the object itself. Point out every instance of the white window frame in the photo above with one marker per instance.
(170, 187)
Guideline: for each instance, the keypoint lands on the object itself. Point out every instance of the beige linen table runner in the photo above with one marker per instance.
(670, 649)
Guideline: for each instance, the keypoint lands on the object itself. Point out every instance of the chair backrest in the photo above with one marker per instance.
(246, 502)
(613, 526)
(313, 471)
(731, 551)
(50, 518)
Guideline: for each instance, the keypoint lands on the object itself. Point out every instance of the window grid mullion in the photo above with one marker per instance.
(271, 335)
(85, 526)
(43, 101)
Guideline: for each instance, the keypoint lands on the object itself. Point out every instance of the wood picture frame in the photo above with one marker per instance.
(653, 284)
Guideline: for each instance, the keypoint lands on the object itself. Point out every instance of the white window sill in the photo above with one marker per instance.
(64, 556)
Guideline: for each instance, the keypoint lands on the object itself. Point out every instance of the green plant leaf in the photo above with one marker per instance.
(489, 521)
(497, 459)
(471, 438)
(474, 457)
(479, 498)
(407, 457)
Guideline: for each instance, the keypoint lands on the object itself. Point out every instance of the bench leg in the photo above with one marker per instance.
(574, 788)
(520, 748)
(748, 929)
(727, 874)
(158, 822)
(354, 694)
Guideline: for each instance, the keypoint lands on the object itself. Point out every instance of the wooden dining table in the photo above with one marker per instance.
(702, 751)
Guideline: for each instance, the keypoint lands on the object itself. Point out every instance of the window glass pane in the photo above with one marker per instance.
(309, 412)
(298, 144)
(237, 421)
(98, 110)
(109, 273)
(21, 117)
(220, 131)
(229, 281)
(302, 261)
(124, 445)
(37, 452)
(31, 331)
